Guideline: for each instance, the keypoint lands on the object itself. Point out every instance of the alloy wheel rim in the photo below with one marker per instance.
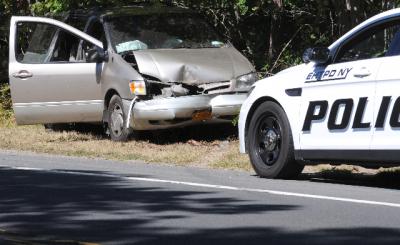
(117, 120)
(269, 140)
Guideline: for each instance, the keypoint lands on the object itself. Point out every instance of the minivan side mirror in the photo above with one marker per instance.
(96, 55)
(317, 55)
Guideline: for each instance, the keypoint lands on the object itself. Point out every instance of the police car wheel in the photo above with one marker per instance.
(271, 144)
(117, 120)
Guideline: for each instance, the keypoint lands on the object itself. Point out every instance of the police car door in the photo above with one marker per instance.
(48, 82)
(387, 109)
(338, 99)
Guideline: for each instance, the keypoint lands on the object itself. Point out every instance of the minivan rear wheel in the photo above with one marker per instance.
(117, 120)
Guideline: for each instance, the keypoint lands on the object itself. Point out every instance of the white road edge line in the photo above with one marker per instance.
(271, 192)
(221, 187)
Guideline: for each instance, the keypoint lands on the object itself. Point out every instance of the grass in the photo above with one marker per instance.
(200, 153)
(207, 147)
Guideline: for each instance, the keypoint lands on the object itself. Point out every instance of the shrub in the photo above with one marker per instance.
(5, 97)
(6, 113)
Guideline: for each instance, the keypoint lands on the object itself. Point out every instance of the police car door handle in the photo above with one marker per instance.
(363, 72)
(23, 74)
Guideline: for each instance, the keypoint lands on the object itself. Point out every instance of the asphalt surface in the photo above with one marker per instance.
(59, 200)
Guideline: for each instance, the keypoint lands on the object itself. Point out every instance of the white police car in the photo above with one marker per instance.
(341, 106)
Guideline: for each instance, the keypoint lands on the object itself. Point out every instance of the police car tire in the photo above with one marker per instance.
(124, 134)
(285, 166)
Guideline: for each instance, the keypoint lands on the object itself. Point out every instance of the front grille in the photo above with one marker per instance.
(216, 88)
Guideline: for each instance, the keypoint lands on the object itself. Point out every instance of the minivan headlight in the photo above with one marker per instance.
(138, 87)
(246, 81)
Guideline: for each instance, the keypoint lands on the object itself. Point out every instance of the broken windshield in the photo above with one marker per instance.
(162, 31)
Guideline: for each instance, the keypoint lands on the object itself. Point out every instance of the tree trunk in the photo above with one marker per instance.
(275, 23)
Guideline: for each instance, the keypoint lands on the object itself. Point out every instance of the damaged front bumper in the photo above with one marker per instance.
(182, 111)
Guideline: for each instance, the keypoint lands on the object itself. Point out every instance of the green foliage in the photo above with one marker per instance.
(42, 7)
(272, 33)
(242, 7)
(6, 113)
(52, 6)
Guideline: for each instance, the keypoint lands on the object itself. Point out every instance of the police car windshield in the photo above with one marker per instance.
(162, 31)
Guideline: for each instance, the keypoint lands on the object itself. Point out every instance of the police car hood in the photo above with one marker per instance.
(193, 66)
(286, 76)
(292, 70)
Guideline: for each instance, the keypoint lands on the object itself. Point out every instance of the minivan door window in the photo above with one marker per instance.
(95, 30)
(43, 43)
(66, 48)
(34, 42)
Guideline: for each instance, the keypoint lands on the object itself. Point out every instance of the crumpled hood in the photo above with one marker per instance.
(193, 66)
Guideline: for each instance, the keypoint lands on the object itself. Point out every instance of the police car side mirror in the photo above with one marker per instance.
(317, 55)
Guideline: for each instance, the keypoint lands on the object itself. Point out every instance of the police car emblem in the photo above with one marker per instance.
(326, 75)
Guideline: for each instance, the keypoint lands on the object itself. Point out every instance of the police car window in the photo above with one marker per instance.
(380, 41)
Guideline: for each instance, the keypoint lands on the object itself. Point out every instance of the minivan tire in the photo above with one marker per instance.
(117, 119)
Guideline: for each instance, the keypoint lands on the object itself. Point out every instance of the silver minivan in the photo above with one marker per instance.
(132, 68)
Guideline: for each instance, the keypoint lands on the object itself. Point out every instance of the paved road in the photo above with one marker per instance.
(60, 200)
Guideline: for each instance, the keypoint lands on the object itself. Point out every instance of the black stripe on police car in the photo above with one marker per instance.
(318, 110)
(326, 75)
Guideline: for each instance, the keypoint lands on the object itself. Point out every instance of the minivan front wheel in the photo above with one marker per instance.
(271, 144)
(117, 120)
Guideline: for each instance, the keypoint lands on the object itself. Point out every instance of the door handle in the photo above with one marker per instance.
(363, 72)
(23, 74)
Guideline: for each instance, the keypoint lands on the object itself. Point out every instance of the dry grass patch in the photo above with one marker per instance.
(229, 158)
(206, 153)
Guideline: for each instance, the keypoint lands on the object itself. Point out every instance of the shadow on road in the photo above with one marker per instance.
(384, 179)
(102, 209)
(41, 206)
